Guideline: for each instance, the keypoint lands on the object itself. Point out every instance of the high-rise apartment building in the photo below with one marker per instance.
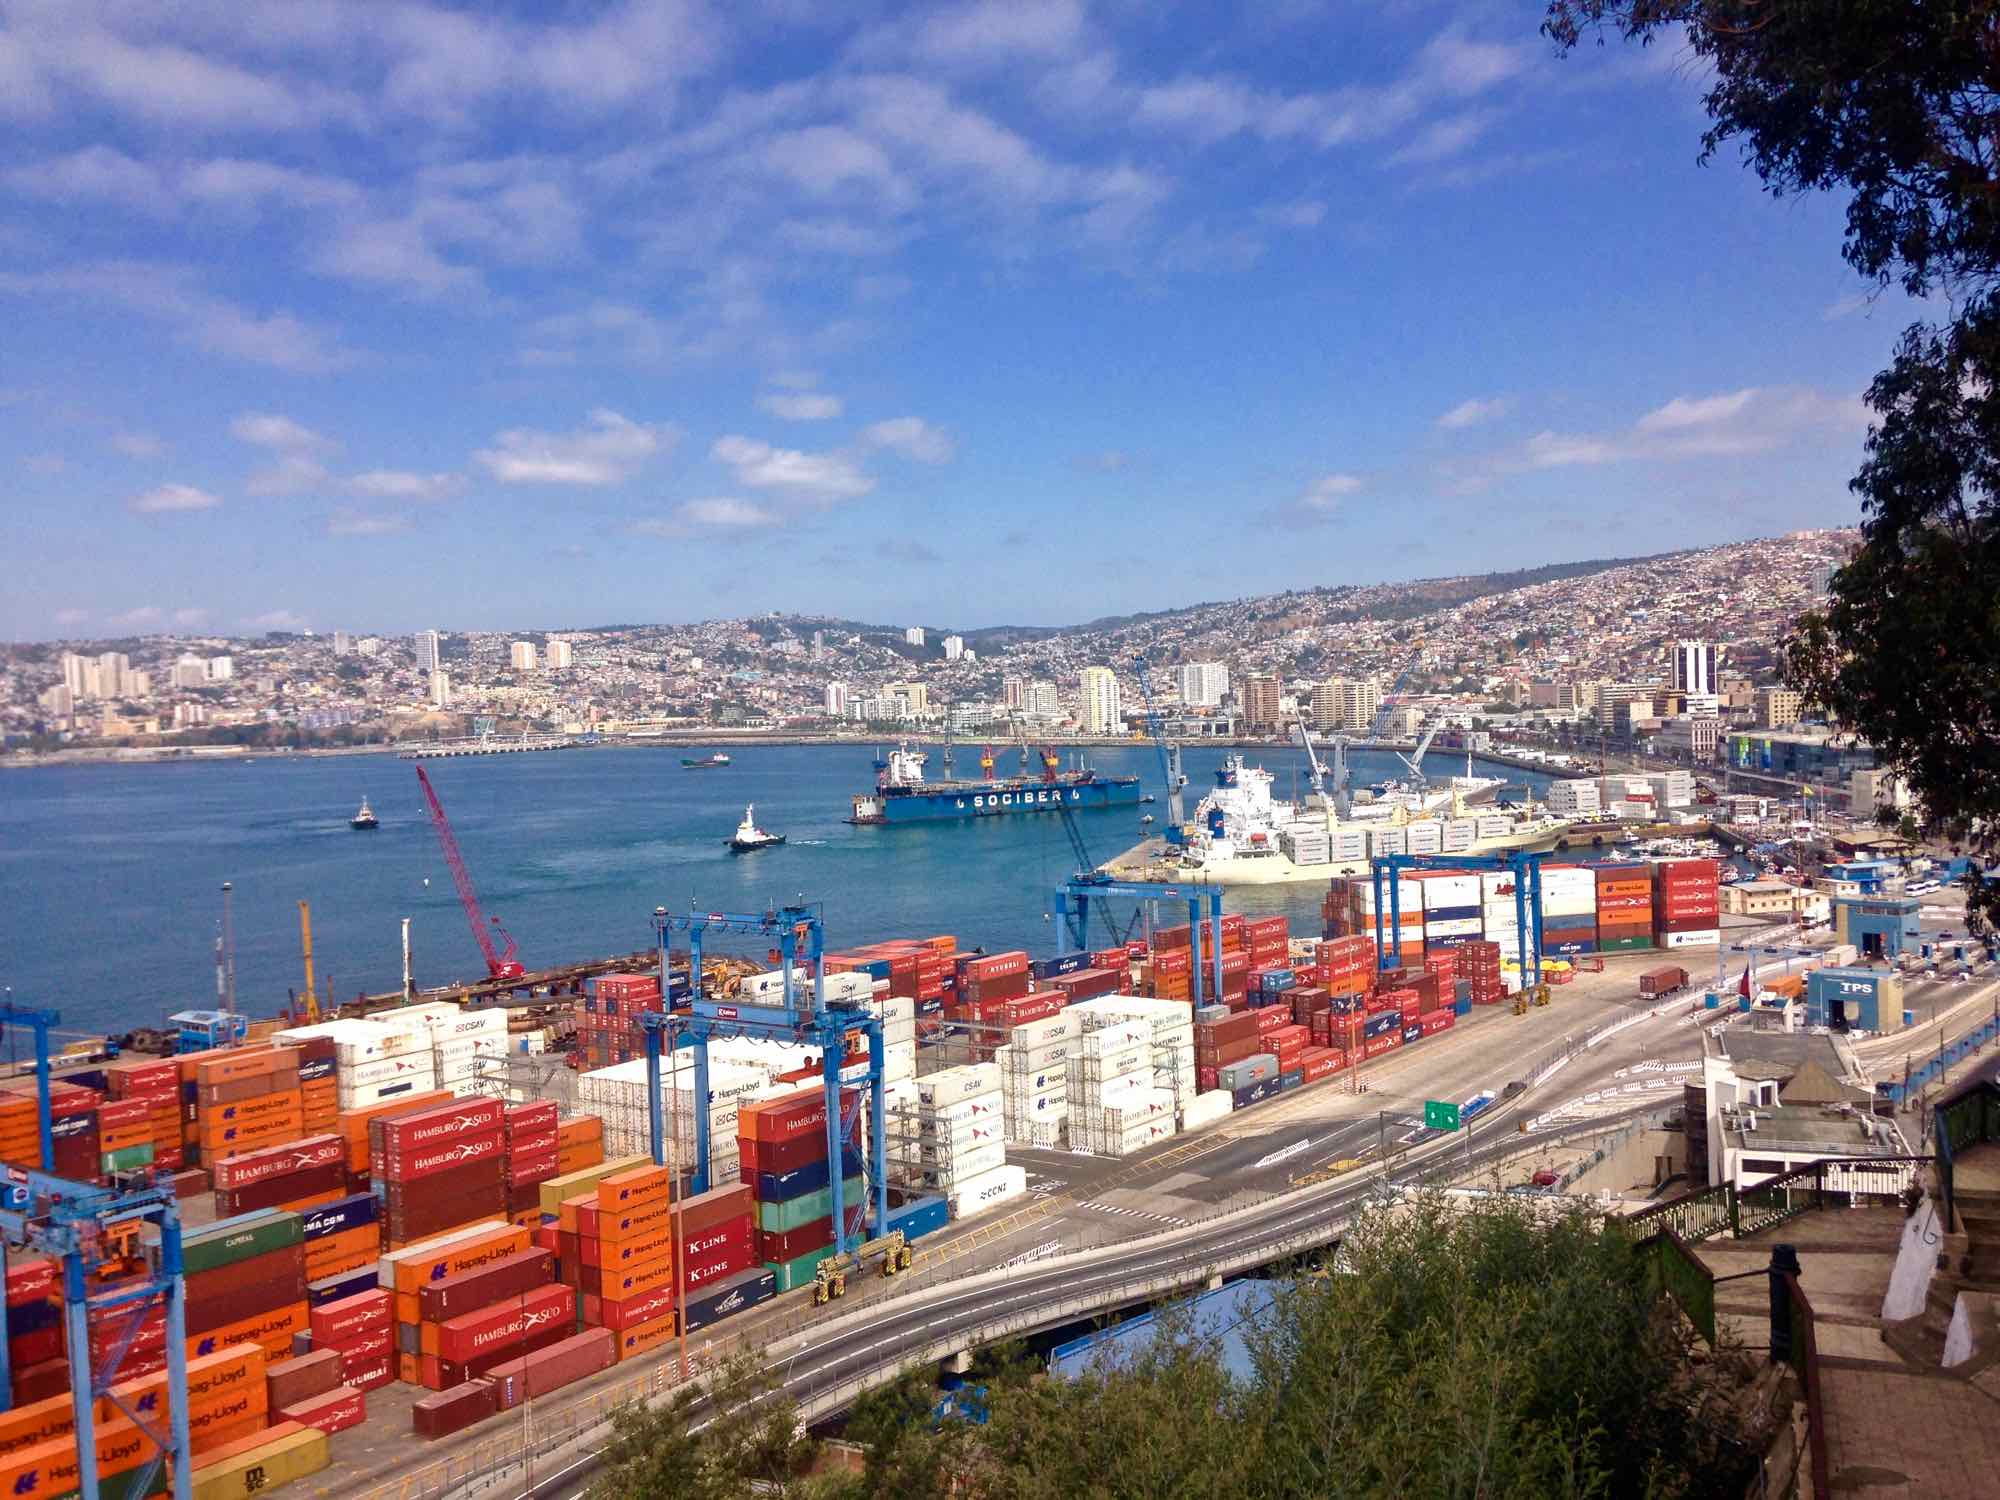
(1015, 693)
(914, 636)
(440, 687)
(914, 696)
(427, 650)
(836, 700)
(190, 672)
(1778, 707)
(954, 647)
(1346, 703)
(58, 701)
(343, 643)
(1039, 701)
(1694, 667)
(1101, 709)
(561, 656)
(1204, 684)
(522, 655)
(1262, 696)
(221, 668)
(79, 675)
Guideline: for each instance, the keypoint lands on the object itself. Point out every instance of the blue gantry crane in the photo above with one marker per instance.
(1073, 898)
(789, 1016)
(88, 1229)
(1526, 869)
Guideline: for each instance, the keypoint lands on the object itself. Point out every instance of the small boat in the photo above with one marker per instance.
(365, 818)
(1147, 798)
(750, 837)
(1145, 820)
(706, 763)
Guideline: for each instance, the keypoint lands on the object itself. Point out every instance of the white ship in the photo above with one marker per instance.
(1242, 835)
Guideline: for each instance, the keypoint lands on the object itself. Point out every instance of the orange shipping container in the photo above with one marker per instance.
(469, 1254)
(643, 1336)
(270, 1331)
(244, 1062)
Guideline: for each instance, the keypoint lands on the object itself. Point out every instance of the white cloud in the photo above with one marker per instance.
(913, 438)
(722, 511)
(1685, 412)
(174, 497)
(607, 449)
(400, 484)
(292, 474)
(169, 294)
(68, 617)
(138, 618)
(1472, 412)
(269, 430)
(45, 464)
(819, 478)
(800, 406)
(1442, 138)
(1326, 492)
(277, 619)
(188, 618)
(139, 444)
(96, 174)
(349, 522)
(1756, 419)
(987, 31)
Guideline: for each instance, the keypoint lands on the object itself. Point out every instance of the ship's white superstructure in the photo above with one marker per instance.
(1242, 835)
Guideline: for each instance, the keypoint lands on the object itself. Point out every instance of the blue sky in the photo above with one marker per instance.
(376, 315)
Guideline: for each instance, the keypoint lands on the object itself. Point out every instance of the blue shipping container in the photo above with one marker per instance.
(1067, 963)
(920, 1216)
(1382, 1025)
(1291, 1080)
(1256, 1093)
(1412, 1034)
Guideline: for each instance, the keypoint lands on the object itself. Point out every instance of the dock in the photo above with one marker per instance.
(484, 745)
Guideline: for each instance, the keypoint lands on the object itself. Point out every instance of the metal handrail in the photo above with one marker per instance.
(1804, 1357)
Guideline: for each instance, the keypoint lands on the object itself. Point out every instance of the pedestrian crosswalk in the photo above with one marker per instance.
(1141, 1214)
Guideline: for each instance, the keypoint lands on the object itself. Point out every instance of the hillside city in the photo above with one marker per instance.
(1665, 654)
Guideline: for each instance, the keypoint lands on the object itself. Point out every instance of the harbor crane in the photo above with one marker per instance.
(502, 962)
(1342, 795)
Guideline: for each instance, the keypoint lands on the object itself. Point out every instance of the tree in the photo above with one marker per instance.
(732, 1435)
(1899, 106)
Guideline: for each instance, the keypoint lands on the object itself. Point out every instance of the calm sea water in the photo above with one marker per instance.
(112, 874)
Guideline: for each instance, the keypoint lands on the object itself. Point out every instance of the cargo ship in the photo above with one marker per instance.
(902, 795)
(1242, 835)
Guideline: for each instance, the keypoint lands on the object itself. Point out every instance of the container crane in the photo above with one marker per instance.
(1415, 761)
(503, 962)
(311, 998)
(1170, 758)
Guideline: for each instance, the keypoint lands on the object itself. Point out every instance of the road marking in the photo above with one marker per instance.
(1283, 1153)
(1135, 1213)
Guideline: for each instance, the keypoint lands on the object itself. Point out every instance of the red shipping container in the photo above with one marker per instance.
(336, 1411)
(491, 1330)
(1377, 1045)
(551, 1369)
(352, 1320)
(537, 1166)
(402, 1135)
(737, 1253)
(446, 1412)
(530, 1119)
(277, 1161)
(371, 1368)
(447, 1156)
(485, 1286)
(31, 1280)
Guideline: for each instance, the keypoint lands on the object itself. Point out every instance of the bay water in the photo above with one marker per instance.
(111, 875)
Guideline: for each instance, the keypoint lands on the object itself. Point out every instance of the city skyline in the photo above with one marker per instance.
(1176, 310)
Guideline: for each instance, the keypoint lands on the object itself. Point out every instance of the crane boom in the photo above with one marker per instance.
(501, 964)
(1170, 756)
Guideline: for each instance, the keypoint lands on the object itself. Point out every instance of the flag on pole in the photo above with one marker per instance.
(1743, 987)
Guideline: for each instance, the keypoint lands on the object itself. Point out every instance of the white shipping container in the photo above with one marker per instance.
(1206, 1109)
(1117, 1037)
(1458, 835)
(1383, 841)
(959, 1083)
(487, 1021)
(1319, 855)
(1492, 826)
(981, 1193)
(1450, 891)
(410, 1065)
(1060, 1028)
(979, 1107)
(361, 1096)
(1706, 938)
(1453, 927)
(1426, 836)
(965, 1167)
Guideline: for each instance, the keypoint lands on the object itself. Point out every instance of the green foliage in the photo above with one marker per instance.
(1502, 1352)
(732, 1435)
(1895, 105)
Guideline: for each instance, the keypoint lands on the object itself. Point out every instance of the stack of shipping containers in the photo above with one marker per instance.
(1569, 910)
(782, 1144)
(1624, 908)
(1451, 910)
(1686, 903)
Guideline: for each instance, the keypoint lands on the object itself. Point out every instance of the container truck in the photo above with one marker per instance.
(1656, 982)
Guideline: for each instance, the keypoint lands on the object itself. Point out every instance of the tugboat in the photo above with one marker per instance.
(707, 763)
(750, 837)
(365, 818)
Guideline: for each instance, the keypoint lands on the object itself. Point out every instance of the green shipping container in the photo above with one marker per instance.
(793, 1274)
(231, 1240)
(129, 1159)
(1624, 945)
(779, 1218)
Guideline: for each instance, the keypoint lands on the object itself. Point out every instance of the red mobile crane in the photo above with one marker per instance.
(499, 965)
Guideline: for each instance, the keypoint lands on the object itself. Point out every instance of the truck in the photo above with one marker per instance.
(1656, 982)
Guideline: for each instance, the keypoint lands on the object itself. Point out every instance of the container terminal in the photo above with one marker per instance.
(313, 1249)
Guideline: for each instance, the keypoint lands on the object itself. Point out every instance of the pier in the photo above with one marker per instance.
(490, 744)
